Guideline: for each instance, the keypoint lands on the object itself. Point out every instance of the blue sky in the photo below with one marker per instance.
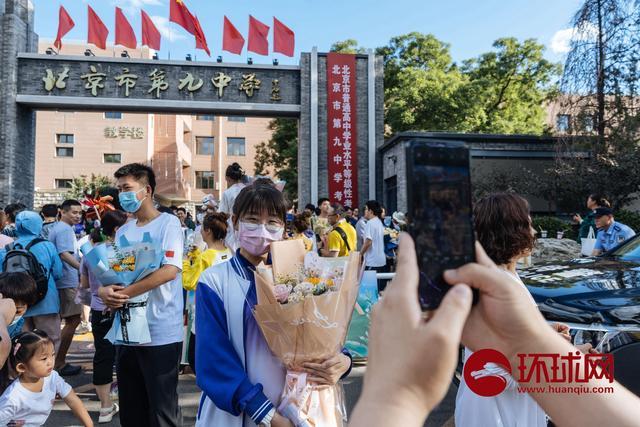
(470, 26)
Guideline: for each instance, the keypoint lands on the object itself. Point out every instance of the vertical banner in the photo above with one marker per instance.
(342, 125)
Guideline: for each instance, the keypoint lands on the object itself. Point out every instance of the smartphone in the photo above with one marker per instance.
(440, 213)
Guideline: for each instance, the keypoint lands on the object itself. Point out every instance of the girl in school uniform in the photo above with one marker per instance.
(240, 378)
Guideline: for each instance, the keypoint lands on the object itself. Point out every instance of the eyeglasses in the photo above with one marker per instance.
(270, 227)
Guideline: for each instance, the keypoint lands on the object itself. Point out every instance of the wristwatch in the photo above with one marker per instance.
(266, 421)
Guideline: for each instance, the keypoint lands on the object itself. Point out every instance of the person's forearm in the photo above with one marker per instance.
(157, 278)
(588, 408)
(70, 259)
(75, 404)
(365, 247)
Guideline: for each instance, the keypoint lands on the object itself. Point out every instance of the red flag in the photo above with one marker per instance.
(65, 24)
(232, 40)
(284, 39)
(150, 34)
(179, 14)
(201, 40)
(98, 32)
(124, 32)
(258, 33)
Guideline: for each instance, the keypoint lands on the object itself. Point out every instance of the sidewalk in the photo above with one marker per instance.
(81, 353)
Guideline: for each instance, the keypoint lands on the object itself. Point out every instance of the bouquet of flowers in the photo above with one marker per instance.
(304, 308)
(122, 264)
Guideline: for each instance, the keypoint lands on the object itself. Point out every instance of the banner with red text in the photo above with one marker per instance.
(342, 124)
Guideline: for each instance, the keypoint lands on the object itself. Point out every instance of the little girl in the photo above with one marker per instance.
(214, 232)
(28, 400)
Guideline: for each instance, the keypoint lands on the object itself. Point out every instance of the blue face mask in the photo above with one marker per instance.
(15, 328)
(129, 201)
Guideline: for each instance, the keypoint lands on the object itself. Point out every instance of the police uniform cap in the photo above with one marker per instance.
(603, 211)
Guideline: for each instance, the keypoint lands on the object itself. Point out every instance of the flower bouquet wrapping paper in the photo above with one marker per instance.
(124, 263)
(304, 308)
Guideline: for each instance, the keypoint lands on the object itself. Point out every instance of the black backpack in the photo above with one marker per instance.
(19, 259)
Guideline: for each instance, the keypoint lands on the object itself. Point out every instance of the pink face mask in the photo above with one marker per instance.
(256, 238)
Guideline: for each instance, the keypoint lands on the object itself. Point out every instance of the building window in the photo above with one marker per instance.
(563, 123)
(64, 152)
(112, 158)
(235, 147)
(205, 180)
(588, 123)
(239, 119)
(204, 145)
(112, 115)
(63, 183)
(64, 138)
(206, 117)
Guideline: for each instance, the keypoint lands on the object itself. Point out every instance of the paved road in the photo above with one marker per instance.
(82, 352)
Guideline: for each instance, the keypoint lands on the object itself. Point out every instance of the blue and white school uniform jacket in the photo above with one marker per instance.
(240, 378)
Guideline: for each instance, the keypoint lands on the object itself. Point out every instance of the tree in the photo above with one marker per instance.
(347, 46)
(420, 84)
(280, 154)
(502, 91)
(601, 74)
(84, 184)
(509, 88)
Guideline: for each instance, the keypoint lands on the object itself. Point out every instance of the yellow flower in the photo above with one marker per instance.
(313, 280)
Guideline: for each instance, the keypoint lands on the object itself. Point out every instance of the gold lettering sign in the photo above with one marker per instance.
(275, 90)
(221, 81)
(95, 80)
(249, 84)
(58, 82)
(127, 80)
(158, 82)
(190, 83)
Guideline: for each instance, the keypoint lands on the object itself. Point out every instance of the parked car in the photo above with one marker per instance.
(599, 298)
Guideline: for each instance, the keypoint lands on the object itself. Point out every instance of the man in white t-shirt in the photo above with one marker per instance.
(148, 374)
(373, 246)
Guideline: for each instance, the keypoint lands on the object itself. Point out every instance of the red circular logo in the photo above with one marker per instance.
(482, 372)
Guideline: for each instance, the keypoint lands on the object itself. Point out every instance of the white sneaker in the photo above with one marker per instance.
(106, 414)
(84, 328)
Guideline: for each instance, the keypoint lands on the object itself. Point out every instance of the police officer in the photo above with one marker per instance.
(611, 233)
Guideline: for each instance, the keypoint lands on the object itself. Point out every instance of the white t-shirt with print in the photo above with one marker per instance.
(374, 231)
(20, 406)
(165, 305)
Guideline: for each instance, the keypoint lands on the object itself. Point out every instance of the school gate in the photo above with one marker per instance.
(318, 92)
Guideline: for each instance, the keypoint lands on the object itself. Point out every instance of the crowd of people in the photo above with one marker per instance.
(206, 281)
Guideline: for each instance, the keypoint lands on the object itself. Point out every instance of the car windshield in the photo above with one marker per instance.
(629, 251)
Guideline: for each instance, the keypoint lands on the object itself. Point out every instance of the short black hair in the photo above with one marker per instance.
(217, 223)
(181, 209)
(321, 200)
(49, 210)
(139, 172)
(13, 209)
(164, 209)
(310, 207)
(67, 204)
(235, 172)
(374, 207)
(348, 208)
(20, 287)
(339, 210)
(257, 198)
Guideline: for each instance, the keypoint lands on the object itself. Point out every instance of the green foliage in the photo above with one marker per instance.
(632, 219)
(88, 185)
(508, 88)
(280, 154)
(347, 46)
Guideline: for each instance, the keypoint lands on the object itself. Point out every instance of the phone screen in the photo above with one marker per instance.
(440, 214)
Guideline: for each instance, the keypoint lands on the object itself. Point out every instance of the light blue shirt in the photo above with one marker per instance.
(616, 234)
(64, 239)
(28, 227)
